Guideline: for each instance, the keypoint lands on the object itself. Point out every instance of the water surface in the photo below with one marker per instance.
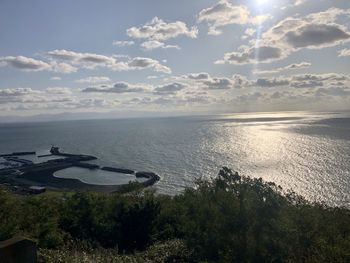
(306, 152)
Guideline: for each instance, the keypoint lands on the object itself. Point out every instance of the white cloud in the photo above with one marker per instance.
(152, 77)
(154, 44)
(204, 81)
(119, 87)
(17, 92)
(94, 79)
(316, 36)
(25, 63)
(249, 32)
(225, 13)
(271, 82)
(218, 83)
(55, 78)
(318, 80)
(294, 66)
(92, 103)
(198, 76)
(314, 31)
(252, 55)
(344, 53)
(123, 43)
(58, 90)
(335, 92)
(292, 3)
(84, 60)
(92, 61)
(169, 89)
(141, 63)
(157, 29)
(62, 67)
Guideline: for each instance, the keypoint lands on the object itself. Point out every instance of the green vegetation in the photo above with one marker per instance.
(229, 219)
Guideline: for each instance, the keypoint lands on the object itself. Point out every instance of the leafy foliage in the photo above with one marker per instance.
(228, 219)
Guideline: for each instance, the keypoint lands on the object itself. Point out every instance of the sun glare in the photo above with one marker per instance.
(262, 2)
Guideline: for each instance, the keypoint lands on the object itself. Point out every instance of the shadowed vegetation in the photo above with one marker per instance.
(228, 219)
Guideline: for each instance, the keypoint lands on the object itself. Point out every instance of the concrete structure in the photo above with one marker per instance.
(55, 150)
(42, 173)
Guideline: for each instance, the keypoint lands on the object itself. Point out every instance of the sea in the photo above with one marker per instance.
(307, 152)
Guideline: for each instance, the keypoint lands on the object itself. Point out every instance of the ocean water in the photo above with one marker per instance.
(303, 151)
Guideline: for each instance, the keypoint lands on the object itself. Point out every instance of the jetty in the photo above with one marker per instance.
(25, 174)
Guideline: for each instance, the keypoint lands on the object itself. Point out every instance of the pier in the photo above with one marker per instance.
(28, 173)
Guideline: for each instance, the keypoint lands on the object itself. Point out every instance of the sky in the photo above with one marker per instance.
(160, 57)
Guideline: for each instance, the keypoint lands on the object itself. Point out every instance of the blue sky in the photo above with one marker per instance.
(173, 57)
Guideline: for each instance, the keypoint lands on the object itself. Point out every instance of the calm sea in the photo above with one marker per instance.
(306, 152)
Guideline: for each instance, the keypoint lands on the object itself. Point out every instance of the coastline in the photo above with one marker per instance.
(43, 174)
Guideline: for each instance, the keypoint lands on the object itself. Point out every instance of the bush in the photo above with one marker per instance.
(228, 219)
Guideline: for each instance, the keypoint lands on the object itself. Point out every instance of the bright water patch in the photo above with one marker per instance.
(97, 176)
(305, 152)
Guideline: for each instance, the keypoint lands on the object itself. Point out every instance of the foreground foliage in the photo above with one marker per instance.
(229, 219)
(167, 251)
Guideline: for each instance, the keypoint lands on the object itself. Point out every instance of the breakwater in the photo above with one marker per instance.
(30, 173)
(118, 170)
(18, 154)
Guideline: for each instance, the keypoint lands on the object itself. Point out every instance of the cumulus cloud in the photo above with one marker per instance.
(92, 103)
(169, 89)
(170, 101)
(218, 83)
(41, 99)
(302, 81)
(272, 82)
(314, 31)
(65, 61)
(198, 76)
(252, 55)
(141, 63)
(318, 80)
(154, 44)
(119, 87)
(248, 98)
(58, 90)
(123, 43)
(294, 66)
(94, 79)
(92, 61)
(337, 92)
(301, 65)
(225, 13)
(203, 80)
(157, 29)
(249, 32)
(321, 77)
(344, 52)
(31, 64)
(62, 67)
(85, 60)
(24, 63)
(28, 98)
(152, 77)
(17, 92)
(314, 36)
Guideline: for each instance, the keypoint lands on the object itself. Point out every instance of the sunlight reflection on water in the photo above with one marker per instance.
(305, 152)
